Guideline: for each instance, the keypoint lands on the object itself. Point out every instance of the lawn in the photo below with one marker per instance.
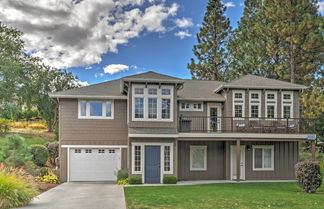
(227, 195)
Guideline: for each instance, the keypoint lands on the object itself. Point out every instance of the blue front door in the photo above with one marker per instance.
(152, 164)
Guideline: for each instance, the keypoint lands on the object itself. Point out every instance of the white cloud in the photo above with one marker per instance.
(184, 22)
(321, 6)
(229, 4)
(82, 83)
(182, 34)
(115, 68)
(69, 33)
(99, 75)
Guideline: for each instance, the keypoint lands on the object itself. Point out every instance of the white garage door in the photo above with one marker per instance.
(94, 164)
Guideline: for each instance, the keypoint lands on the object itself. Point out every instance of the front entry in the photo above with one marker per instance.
(233, 163)
(152, 164)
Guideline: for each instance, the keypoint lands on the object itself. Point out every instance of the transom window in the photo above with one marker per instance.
(96, 109)
(287, 96)
(254, 96)
(263, 157)
(238, 95)
(88, 151)
(184, 106)
(111, 151)
(270, 96)
(152, 102)
(198, 158)
(77, 151)
(101, 151)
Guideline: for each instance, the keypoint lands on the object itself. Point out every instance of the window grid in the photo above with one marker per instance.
(286, 111)
(101, 151)
(166, 108)
(137, 160)
(167, 158)
(77, 151)
(152, 107)
(238, 111)
(270, 111)
(254, 111)
(139, 107)
(111, 151)
(88, 151)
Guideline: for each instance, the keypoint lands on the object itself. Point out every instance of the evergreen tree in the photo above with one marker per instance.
(211, 51)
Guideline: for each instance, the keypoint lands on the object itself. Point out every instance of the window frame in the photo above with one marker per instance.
(189, 106)
(103, 106)
(272, 157)
(255, 102)
(204, 147)
(273, 102)
(287, 102)
(238, 101)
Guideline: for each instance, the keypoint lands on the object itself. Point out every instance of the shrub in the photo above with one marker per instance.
(53, 151)
(19, 124)
(4, 125)
(122, 174)
(57, 133)
(39, 153)
(32, 169)
(14, 151)
(123, 181)
(308, 176)
(135, 180)
(37, 126)
(16, 188)
(50, 178)
(169, 180)
(43, 171)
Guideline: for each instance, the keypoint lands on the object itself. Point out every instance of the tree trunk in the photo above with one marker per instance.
(292, 63)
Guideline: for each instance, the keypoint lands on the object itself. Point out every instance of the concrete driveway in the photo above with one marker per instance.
(81, 196)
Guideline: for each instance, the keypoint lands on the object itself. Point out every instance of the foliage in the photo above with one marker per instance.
(39, 153)
(16, 188)
(135, 180)
(43, 171)
(31, 168)
(50, 178)
(122, 174)
(57, 133)
(308, 176)
(169, 180)
(37, 126)
(53, 151)
(14, 151)
(210, 50)
(123, 181)
(4, 125)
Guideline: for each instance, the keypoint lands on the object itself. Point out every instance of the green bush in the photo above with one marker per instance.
(14, 152)
(11, 111)
(122, 174)
(32, 169)
(135, 180)
(4, 125)
(16, 188)
(309, 176)
(169, 180)
(39, 153)
(43, 171)
(123, 181)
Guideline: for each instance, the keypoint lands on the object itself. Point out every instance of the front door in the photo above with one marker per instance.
(214, 118)
(152, 164)
(233, 163)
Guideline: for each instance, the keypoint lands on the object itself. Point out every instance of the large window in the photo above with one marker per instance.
(263, 157)
(271, 104)
(238, 110)
(287, 111)
(96, 109)
(238, 103)
(255, 104)
(198, 158)
(254, 111)
(152, 102)
(287, 104)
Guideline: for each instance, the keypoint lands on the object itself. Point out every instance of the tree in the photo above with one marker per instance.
(212, 38)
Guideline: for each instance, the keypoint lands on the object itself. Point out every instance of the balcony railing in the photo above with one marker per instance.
(204, 124)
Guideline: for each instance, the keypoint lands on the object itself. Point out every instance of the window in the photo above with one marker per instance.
(77, 151)
(287, 104)
(286, 96)
(111, 151)
(152, 108)
(166, 108)
(198, 158)
(191, 106)
(270, 111)
(238, 111)
(254, 111)
(270, 96)
(101, 151)
(96, 110)
(254, 96)
(167, 158)
(263, 157)
(152, 103)
(238, 104)
(287, 111)
(88, 151)
(139, 107)
(137, 158)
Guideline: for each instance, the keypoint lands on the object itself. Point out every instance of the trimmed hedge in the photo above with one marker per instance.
(135, 180)
(169, 180)
(308, 175)
(40, 154)
(122, 174)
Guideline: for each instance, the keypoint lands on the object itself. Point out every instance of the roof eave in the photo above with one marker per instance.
(153, 80)
(86, 96)
(203, 99)
(261, 87)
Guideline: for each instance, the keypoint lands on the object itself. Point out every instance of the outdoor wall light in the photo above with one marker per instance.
(248, 147)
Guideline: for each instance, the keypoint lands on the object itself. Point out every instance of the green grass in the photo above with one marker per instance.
(227, 195)
(32, 139)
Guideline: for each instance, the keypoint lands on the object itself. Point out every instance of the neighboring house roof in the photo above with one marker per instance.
(258, 82)
(200, 90)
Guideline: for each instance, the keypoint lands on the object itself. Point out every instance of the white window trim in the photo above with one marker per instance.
(88, 109)
(238, 102)
(272, 157)
(287, 102)
(159, 97)
(256, 102)
(291, 96)
(191, 108)
(274, 103)
(205, 158)
(142, 145)
(219, 113)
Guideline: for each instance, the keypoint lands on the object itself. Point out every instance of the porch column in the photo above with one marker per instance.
(313, 150)
(238, 159)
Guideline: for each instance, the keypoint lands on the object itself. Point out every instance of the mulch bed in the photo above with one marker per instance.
(43, 187)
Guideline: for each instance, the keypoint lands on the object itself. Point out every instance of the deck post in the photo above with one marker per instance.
(313, 150)
(238, 160)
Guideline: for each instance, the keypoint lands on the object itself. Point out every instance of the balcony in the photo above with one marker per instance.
(204, 124)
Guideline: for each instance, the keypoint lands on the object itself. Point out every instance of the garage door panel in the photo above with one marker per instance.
(94, 164)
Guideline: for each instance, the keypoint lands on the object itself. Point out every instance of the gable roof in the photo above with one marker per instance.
(152, 77)
(258, 82)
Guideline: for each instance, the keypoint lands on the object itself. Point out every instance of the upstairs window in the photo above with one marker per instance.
(255, 104)
(287, 104)
(186, 106)
(238, 104)
(96, 109)
(271, 104)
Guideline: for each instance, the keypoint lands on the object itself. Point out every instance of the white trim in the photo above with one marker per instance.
(243, 135)
(204, 147)
(272, 157)
(143, 144)
(255, 102)
(258, 87)
(219, 115)
(238, 101)
(203, 99)
(103, 106)
(153, 135)
(287, 102)
(94, 146)
(191, 106)
(68, 164)
(231, 161)
(159, 97)
(86, 96)
(273, 102)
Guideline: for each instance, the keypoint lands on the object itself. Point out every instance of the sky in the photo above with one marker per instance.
(101, 40)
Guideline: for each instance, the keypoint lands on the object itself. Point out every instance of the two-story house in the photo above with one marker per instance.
(156, 125)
